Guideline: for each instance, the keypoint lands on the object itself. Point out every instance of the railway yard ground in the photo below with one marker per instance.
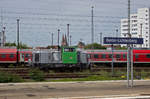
(76, 90)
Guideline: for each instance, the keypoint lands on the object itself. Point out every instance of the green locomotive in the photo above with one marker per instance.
(67, 57)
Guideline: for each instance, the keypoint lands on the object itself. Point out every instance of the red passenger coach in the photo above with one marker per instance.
(9, 55)
(105, 56)
(120, 56)
(141, 56)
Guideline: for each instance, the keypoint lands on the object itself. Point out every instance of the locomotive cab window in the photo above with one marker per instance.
(96, 56)
(148, 56)
(69, 49)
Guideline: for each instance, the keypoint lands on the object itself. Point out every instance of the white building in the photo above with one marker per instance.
(139, 26)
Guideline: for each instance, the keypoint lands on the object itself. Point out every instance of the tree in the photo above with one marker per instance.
(21, 45)
(94, 46)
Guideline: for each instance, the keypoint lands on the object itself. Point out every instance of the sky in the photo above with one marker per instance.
(40, 18)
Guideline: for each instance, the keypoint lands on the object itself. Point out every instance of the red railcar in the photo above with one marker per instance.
(9, 55)
(141, 56)
(119, 56)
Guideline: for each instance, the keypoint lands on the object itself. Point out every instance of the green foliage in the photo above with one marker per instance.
(121, 48)
(10, 44)
(21, 45)
(143, 74)
(36, 75)
(94, 46)
(6, 77)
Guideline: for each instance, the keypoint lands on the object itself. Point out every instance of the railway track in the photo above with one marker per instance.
(24, 72)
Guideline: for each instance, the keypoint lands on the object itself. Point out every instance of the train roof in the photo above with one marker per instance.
(8, 50)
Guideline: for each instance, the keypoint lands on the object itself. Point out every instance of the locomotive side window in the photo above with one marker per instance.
(136, 55)
(118, 55)
(3, 56)
(103, 56)
(148, 56)
(110, 55)
(96, 56)
(11, 55)
(124, 56)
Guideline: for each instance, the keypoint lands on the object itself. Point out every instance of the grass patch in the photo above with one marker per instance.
(6, 78)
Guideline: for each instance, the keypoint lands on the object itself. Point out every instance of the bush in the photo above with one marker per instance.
(5, 78)
(37, 75)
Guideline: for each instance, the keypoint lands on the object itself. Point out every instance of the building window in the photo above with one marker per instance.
(146, 28)
(146, 41)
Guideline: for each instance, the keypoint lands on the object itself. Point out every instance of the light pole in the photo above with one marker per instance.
(52, 39)
(92, 25)
(68, 33)
(141, 32)
(18, 41)
(58, 38)
(116, 32)
(70, 39)
(100, 38)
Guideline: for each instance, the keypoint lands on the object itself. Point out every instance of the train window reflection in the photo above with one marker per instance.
(96, 56)
(103, 56)
(118, 55)
(124, 56)
(136, 55)
(148, 55)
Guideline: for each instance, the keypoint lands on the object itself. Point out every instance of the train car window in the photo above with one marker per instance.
(89, 55)
(3, 56)
(11, 55)
(27, 55)
(124, 56)
(110, 56)
(118, 55)
(96, 56)
(69, 49)
(103, 56)
(148, 56)
(136, 55)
